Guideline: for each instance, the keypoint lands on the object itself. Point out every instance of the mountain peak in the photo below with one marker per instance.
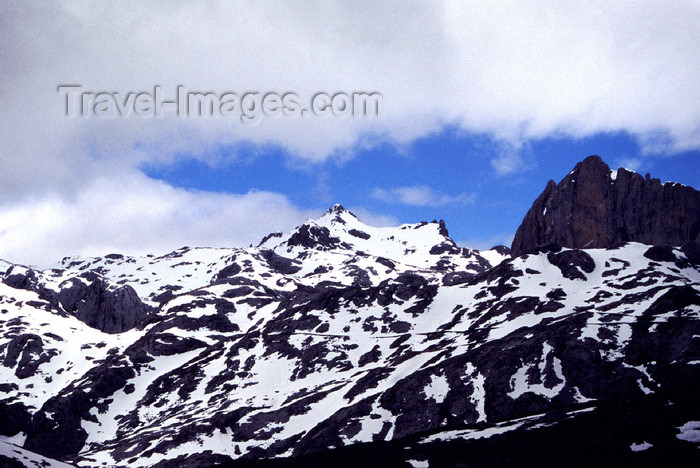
(594, 207)
(590, 171)
(338, 213)
(593, 161)
(337, 209)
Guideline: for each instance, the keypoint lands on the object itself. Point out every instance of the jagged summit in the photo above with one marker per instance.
(338, 210)
(595, 207)
(334, 216)
(421, 245)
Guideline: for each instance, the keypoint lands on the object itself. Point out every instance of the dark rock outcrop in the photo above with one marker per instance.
(109, 309)
(89, 297)
(572, 263)
(314, 237)
(591, 209)
(14, 418)
(25, 353)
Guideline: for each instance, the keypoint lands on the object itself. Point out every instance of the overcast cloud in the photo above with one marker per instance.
(514, 70)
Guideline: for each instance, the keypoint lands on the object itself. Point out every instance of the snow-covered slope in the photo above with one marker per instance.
(338, 336)
(336, 248)
(13, 455)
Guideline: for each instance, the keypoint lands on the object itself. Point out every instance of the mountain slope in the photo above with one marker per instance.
(344, 344)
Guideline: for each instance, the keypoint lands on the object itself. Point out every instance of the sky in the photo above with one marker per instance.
(481, 104)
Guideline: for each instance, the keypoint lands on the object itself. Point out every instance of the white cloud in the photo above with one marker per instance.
(507, 163)
(420, 195)
(136, 215)
(374, 219)
(633, 164)
(513, 70)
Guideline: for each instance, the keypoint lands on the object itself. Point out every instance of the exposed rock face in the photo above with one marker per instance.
(592, 207)
(110, 309)
(99, 303)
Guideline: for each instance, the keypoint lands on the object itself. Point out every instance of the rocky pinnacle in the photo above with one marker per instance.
(594, 207)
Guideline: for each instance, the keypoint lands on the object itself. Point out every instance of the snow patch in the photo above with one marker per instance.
(27, 458)
(520, 381)
(640, 447)
(690, 431)
(437, 388)
(418, 463)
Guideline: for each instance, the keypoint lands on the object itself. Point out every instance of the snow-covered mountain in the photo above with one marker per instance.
(349, 345)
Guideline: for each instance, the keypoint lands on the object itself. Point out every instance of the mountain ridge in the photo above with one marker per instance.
(594, 207)
(342, 344)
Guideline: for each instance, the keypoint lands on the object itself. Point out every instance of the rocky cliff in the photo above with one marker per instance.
(594, 207)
